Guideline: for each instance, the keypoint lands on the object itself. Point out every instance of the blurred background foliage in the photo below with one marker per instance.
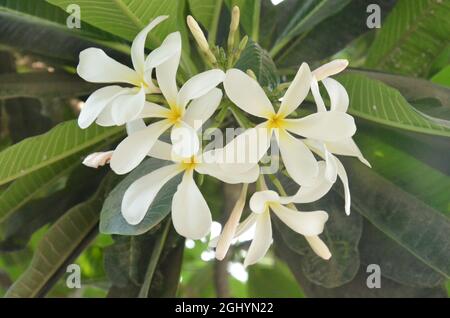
(400, 207)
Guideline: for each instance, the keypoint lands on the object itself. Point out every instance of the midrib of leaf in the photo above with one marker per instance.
(403, 37)
(124, 8)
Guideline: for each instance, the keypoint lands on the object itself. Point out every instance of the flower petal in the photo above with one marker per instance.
(141, 193)
(344, 179)
(202, 108)
(97, 102)
(330, 69)
(305, 223)
(338, 95)
(247, 94)
(199, 85)
(228, 174)
(241, 229)
(127, 107)
(312, 192)
(166, 74)
(262, 240)
(229, 229)
(259, 202)
(152, 110)
(190, 213)
(325, 126)
(317, 97)
(298, 159)
(135, 125)
(185, 142)
(133, 149)
(138, 46)
(97, 159)
(318, 246)
(297, 91)
(161, 150)
(346, 147)
(97, 67)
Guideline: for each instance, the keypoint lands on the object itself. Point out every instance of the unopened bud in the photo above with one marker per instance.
(200, 38)
(251, 74)
(235, 17)
(243, 43)
(98, 159)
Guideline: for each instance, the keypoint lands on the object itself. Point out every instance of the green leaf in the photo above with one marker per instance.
(405, 171)
(42, 85)
(258, 60)
(64, 140)
(375, 101)
(423, 231)
(308, 14)
(341, 235)
(112, 221)
(126, 18)
(412, 38)
(272, 281)
(442, 77)
(396, 263)
(60, 245)
(203, 11)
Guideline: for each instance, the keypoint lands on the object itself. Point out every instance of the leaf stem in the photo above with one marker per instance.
(156, 254)
(255, 21)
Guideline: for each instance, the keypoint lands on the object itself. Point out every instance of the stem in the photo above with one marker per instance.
(279, 46)
(157, 249)
(281, 190)
(240, 117)
(215, 23)
(255, 22)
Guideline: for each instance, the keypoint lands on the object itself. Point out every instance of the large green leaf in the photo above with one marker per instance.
(60, 245)
(112, 221)
(373, 100)
(42, 85)
(308, 14)
(395, 262)
(413, 36)
(126, 18)
(258, 60)
(423, 231)
(203, 11)
(61, 142)
(412, 175)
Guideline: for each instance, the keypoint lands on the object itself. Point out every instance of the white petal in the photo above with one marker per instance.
(247, 94)
(133, 149)
(97, 159)
(313, 192)
(202, 108)
(298, 159)
(229, 229)
(166, 74)
(135, 125)
(346, 147)
(199, 85)
(331, 168)
(247, 149)
(184, 140)
(97, 102)
(262, 240)
(228, 174)
(319, 247)
(152, 110)
(127, 107)
(242, 229)
(190, 213)
(317, 97)
(330, 69)
(305, 223)
(338, 95)
(141, 193)
(325, 126)
(138, 46)
(297, 91)
(343, 176)
(161, 150)
(259, 202)
(97, 67)
(170, 47)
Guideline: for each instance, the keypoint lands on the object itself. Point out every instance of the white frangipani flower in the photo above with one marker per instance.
(308, 224)
(299, 161)
(191, 216)
(199, 92)
(97, 159)
(116, 105)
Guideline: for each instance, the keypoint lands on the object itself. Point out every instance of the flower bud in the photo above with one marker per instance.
(97, 159)
(235, 17)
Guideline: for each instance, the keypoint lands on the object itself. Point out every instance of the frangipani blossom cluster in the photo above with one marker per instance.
(307, 144)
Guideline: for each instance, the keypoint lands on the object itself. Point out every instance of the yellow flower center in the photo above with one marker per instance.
(189, 163)
(275, 121)
(174, 115)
